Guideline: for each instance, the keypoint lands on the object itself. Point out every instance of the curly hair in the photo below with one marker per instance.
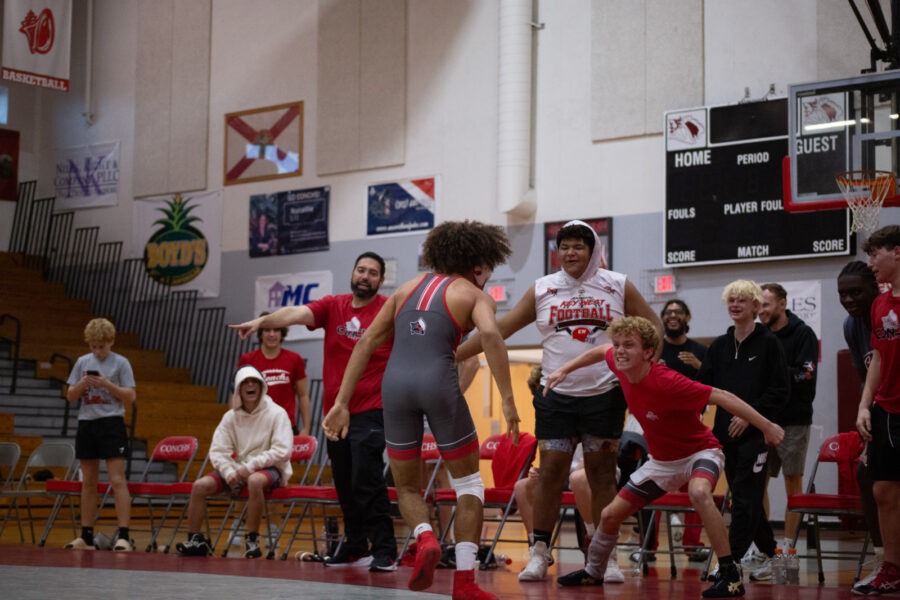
(638, 326)
(99, 331)
(456, 247)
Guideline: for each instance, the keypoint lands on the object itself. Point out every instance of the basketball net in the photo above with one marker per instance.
(865, 192)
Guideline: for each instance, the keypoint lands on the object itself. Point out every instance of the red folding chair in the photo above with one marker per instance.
(509, 463)
(844, 450)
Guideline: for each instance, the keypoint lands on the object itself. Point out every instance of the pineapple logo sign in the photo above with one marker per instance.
(177, 252)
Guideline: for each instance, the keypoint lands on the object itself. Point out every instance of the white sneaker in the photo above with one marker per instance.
(753, 558)
(763, 572)
(613, 573)
(536, 569)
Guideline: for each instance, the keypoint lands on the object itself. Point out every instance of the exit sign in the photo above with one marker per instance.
(664, 284)
(497, 292)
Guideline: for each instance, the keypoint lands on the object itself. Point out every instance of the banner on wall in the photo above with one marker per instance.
(289, 222)
(292, 289)
(179, 238)
(804, 299)
(37, 40)
(401, 206)
(87, 176)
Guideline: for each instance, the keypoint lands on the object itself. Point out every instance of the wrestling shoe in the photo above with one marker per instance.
(728, 583)
(428, 554)
(465, 588)
(536, 569)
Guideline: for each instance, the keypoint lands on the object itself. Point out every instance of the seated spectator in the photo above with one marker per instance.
(251, 448)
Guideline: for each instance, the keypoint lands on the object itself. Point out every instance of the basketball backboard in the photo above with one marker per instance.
(841, 125)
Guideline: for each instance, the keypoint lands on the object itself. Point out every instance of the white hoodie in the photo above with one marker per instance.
(256, 440)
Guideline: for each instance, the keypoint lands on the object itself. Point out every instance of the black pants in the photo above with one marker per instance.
(357, 464)
(745, 470)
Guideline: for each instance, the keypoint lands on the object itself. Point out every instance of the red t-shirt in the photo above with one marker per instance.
(281, 373)
(886, 339)
(668, 406)
(344, 325)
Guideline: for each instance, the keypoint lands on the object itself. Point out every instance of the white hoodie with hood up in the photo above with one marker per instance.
(257, 440)
(572, 317)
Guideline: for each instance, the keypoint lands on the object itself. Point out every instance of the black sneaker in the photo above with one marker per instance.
(579, 577)
(345, 558)
(728, 584)
(382, 564)
(197, 545)
(252, 549)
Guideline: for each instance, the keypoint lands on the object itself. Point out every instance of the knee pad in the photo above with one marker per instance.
(470, 484)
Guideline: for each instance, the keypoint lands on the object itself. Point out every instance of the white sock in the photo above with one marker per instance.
(421, 528)
(589, 529)
(465, 556)
(531, 539)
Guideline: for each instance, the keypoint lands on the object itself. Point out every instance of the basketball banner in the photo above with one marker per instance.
(37, 40)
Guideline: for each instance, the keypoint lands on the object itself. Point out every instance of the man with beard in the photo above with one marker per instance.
(801, 350)
(357, 460)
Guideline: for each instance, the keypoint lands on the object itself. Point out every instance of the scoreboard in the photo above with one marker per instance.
(724, 189)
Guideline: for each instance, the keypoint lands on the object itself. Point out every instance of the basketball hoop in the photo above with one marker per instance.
(865, 192)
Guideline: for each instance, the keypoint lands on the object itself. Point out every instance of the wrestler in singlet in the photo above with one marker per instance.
(421, 377)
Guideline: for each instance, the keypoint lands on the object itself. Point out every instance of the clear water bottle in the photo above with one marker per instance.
(779, 567)
(793, 567)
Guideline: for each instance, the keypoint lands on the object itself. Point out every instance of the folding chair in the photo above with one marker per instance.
(54, 456)
(667, 504)
(9, 460)
(509, 463)
(309, 495)
(174, 450)
(844, 450)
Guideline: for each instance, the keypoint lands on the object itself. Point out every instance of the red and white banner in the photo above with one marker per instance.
(37, 41)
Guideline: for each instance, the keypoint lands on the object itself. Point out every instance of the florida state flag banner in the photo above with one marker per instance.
(37, 41)
(264, 143)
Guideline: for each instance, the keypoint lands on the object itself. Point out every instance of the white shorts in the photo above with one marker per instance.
(671, 475)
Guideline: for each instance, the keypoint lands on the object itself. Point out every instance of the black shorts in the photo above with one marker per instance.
(564, 417)
(884, 449)
(101, 439)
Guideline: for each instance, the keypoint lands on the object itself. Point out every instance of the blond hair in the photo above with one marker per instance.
(638, 326)
(99, 331)
(743, 289)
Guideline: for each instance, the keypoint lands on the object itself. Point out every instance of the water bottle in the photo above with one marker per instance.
(793, 567)
(779, 571)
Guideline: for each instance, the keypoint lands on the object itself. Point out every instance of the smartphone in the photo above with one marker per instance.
(94, 373)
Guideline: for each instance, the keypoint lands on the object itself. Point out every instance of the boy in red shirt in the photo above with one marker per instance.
(682, 448)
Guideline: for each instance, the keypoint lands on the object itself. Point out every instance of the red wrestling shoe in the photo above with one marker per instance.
(428, 554)
(465, 588)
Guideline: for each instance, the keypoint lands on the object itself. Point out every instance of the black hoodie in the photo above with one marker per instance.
(753, 370)
(801, 351)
